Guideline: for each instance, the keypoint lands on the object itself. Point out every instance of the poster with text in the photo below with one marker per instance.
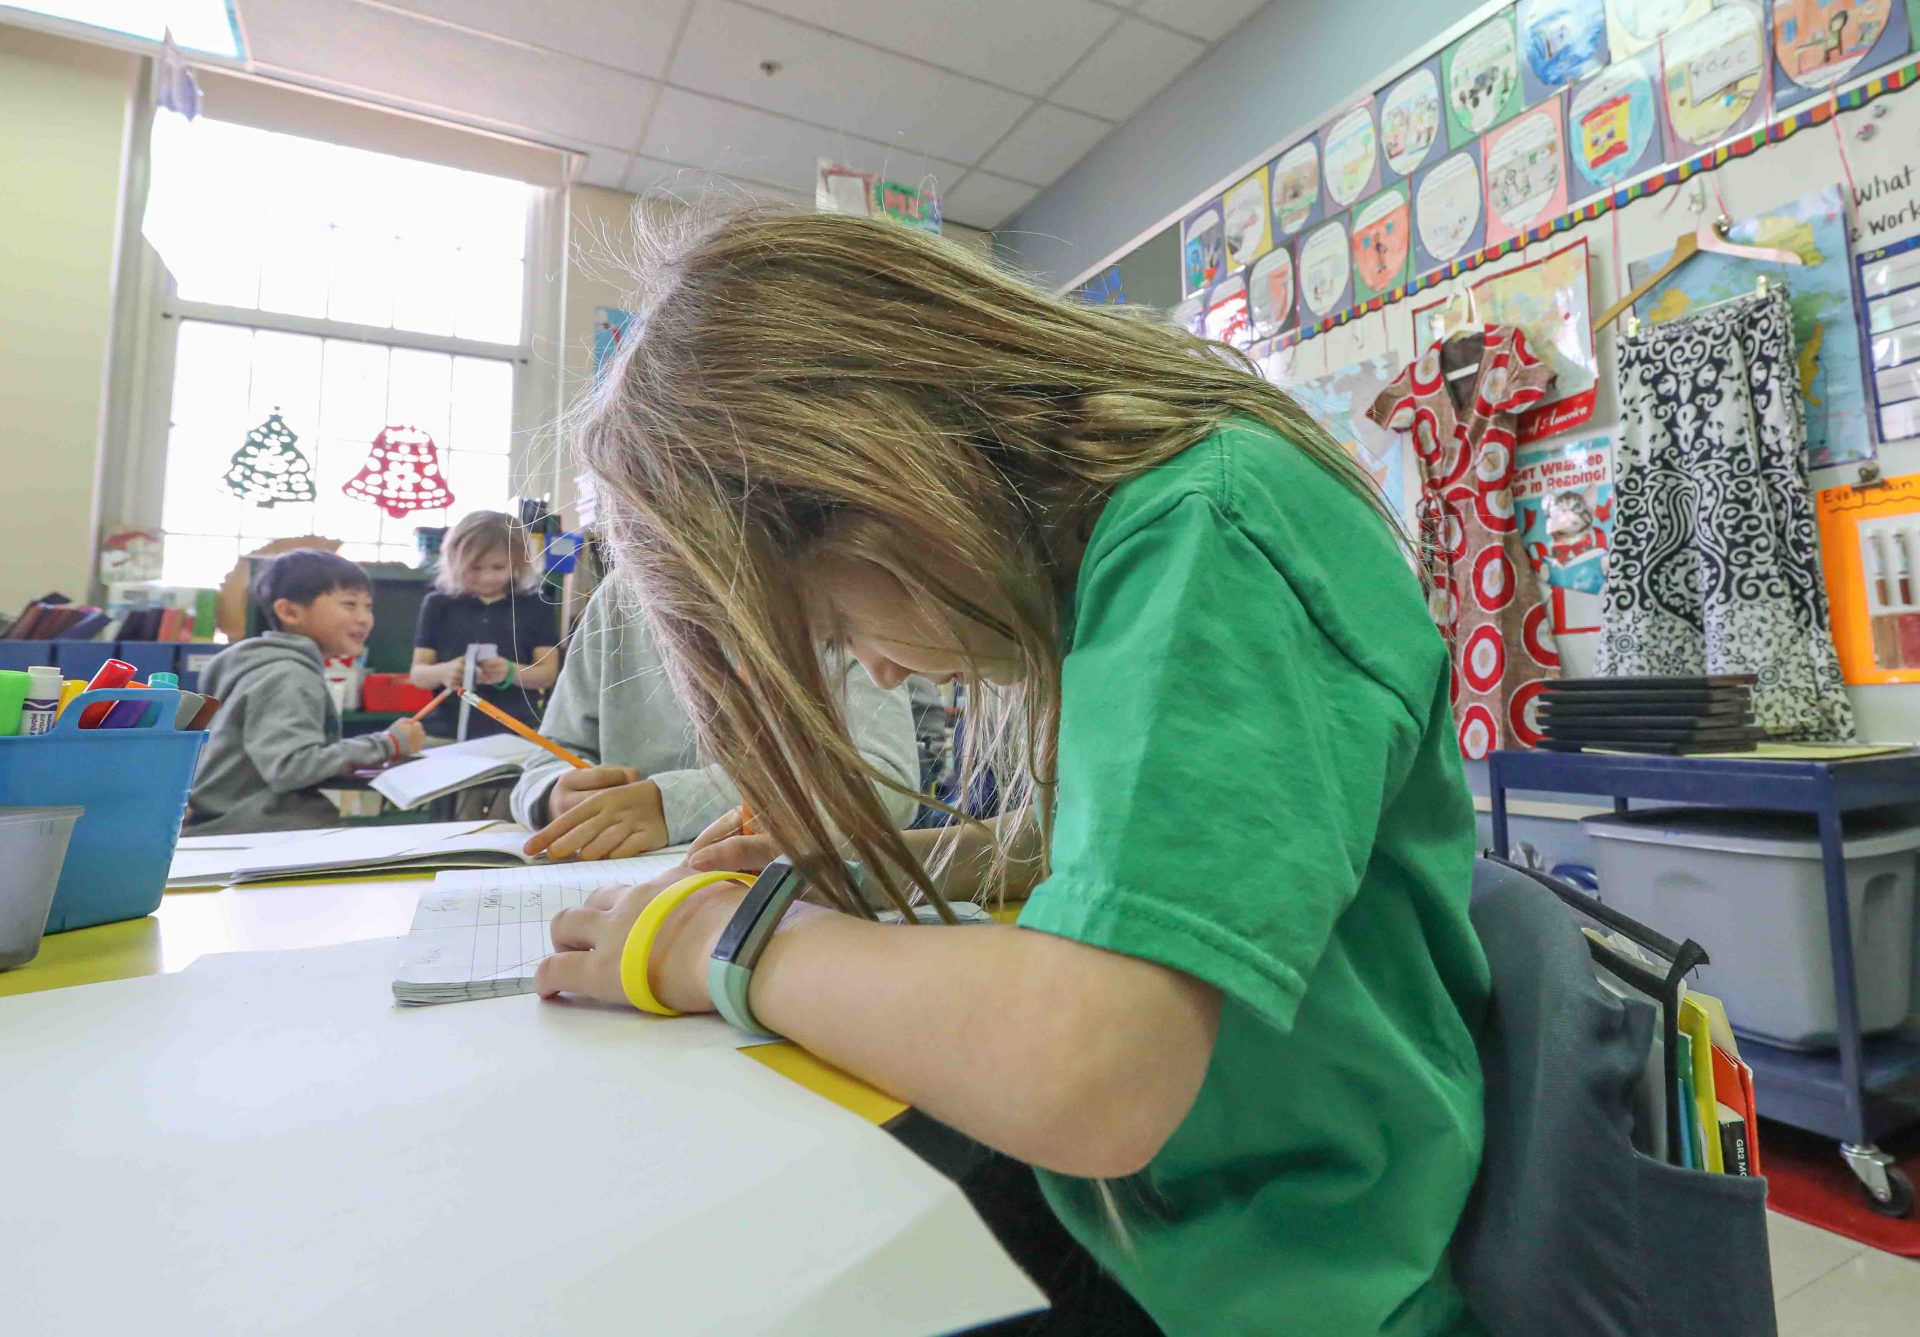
(1525, 163)
(1449, 210)
(1249, 231)
(1326, 271)
(1410, 121)
(1715, 77)
(1273, 301)
(1339, 400)
(1634, 26)
(1227, 317)
(1382, 244)
(1203, 248)
(1296, 189)
(1563, 503)
(1350, 156)
(1481, 76)
(1818, 44)
(1561, 43)
(1613, 126)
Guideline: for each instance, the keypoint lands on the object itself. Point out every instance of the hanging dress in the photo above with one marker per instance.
(1715, 565)
(1482, 590)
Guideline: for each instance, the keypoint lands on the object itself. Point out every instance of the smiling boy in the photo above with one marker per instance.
(277, 736)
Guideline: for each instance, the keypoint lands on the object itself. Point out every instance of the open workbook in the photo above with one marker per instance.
(448, 770)
(481, 934)
(356, 849)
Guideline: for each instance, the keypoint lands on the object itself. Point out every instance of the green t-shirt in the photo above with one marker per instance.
(1259, 786)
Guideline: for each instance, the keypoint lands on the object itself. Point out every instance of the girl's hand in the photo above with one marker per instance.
(453, 672)
(721, 848)
(491, 671)
(613, 823)
(408, 737)
(588, 943)
(574, 785)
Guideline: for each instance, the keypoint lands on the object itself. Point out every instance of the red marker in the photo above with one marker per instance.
(113, 673)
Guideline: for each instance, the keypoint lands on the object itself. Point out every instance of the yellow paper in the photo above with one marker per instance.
(1699, 1028)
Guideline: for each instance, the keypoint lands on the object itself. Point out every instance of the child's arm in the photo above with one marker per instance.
(1105, 1063)
(286, 737)
(429, 673)
(573, 721)
(541, 673)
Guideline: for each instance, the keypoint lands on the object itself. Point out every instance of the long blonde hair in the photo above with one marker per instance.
(475, 535)
(803, 384)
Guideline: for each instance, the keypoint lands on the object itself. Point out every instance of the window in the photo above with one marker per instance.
(346, 291)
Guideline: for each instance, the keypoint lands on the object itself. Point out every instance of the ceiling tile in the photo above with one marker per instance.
(407, 60)
(715, 136)
(836, 82)
(657, 179)
(985, 201)
(605, 166)
(1046, 144)
(1017, 43)
(634, 35)
(1123, 73)
(1211, 19)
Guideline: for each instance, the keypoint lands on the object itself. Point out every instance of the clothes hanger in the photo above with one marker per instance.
(1708, 237)
(1460, 319)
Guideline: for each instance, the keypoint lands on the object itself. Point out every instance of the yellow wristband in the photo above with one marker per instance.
(634, 956)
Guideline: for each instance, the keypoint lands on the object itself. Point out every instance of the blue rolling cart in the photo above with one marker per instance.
(1870, 1086)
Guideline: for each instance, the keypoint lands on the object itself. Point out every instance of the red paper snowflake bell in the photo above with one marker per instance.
(402, 474)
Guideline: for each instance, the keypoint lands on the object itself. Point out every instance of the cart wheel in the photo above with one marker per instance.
(1899, 1199)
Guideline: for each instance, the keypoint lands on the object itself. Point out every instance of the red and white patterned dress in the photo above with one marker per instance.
(1484, 598)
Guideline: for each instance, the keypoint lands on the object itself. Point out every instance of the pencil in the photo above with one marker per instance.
(432, 705)
(746, 820)
(494, 711)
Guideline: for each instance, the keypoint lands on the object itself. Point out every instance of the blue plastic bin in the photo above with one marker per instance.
(23, 655)
(195, 656)
(81, 659)
(149, 657)
(133, 784)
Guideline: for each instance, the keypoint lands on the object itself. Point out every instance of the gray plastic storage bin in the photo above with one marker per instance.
(1747, 886)
(33, 847)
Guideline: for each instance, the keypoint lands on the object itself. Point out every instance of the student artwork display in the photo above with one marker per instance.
(1613, 124)
(1634, 26)
(1526, 171)
(1272, 290)
(1203, 248)
(1248, 230)
(1481, 73)
(1339, 402)
(1870, 549)
(1819, 43)
(1382, 244)
(1549, 301)
(1449, 210)
(1820, 292)
(1227, 318)
(1326, 270)
(269, 467)
(402, 474)
(1410, 117)
(839, 189)
(1715, 77)
(1561, 41)
(1350, 156)
(1563, 498)
(1890, 291)
(1190, 315)
(609, 328)
(1296, 189)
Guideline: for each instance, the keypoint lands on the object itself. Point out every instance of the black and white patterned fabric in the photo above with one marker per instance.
(1716, 563)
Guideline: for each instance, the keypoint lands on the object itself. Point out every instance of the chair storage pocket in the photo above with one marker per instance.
(1703, 1238)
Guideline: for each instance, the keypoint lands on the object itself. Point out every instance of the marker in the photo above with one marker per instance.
(42, 706)
(485, 708)
(209, 706)
(113, 673)
(13, 694)
(69, 689)
(190, 704)
(126, 714)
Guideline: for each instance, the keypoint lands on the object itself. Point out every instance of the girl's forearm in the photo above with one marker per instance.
(963, 859)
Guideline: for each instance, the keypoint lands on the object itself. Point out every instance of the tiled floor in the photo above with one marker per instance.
(1825, 1285)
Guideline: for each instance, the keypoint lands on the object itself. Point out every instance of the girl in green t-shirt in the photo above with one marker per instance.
(1233, 1028)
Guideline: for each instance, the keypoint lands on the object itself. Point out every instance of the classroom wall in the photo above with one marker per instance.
(1284, 69)
(63, 128)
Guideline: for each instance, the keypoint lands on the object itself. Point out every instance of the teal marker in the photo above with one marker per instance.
(163, 680)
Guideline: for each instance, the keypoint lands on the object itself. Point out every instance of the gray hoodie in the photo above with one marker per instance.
(274, 740)
(613, 704)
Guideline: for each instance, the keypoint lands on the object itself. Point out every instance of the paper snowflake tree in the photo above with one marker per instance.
(402, 474)
(270, 468)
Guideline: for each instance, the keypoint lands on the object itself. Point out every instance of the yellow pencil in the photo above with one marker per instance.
(746, 821)
(495, 712)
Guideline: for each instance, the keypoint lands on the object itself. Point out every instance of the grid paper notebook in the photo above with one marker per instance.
(481, 934)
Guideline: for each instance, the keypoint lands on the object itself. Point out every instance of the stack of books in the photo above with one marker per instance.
(55, 617)
(1671, 716)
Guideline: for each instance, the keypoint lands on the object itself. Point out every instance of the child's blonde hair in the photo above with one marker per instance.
(803, 384)
(473, 537)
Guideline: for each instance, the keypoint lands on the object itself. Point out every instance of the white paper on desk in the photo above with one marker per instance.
(246, 1152)
(449, 769)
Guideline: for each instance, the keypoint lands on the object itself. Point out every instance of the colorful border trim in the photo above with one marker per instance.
(1817, 113)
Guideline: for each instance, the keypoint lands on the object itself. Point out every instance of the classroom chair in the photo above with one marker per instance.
(1571, 1230)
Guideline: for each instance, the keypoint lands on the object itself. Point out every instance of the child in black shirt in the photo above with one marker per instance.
(487, 593)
